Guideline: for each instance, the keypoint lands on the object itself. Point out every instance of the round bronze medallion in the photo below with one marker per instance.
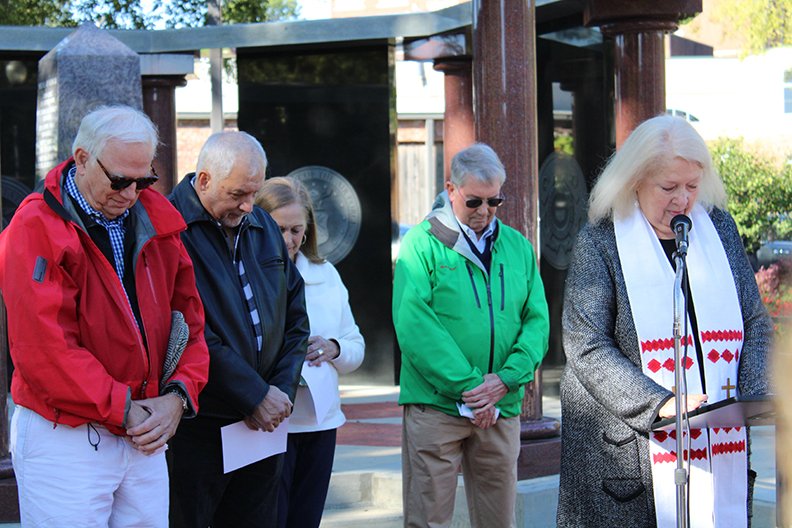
(562, 206)
(336, 207)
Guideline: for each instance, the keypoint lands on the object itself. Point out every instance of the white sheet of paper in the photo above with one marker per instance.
(321, 386)
(467, 412)
(243, 446)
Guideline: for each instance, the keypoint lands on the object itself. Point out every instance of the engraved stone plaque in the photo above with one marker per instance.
(563, 207)
(336, 208)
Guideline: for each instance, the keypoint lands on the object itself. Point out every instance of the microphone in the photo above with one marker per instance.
(681, 226)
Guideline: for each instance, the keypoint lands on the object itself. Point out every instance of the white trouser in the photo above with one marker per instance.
(64, 481)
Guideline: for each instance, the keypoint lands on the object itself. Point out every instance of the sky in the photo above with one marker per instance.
(309, 9)
(314, 9)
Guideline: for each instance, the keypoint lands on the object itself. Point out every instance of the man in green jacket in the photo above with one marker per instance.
(471, 319)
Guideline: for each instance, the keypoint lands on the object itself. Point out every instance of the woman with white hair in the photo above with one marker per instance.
(618, 339)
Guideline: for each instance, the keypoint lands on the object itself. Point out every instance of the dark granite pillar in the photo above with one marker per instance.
(637, 28)
(87, 69)
(458, 124)
(159, 103)
(504, 79)
(161, 74)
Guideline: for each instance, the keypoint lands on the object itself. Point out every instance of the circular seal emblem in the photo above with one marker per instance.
(336, 208)
(562, 207)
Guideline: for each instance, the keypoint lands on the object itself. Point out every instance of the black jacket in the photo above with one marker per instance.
(239, 374)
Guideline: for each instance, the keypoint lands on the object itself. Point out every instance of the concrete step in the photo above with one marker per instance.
(375, 499)
(362, 517)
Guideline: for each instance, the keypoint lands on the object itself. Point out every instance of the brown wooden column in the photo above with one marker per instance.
(504, 80)
(638, 28)
(159, 103)
(458, 123)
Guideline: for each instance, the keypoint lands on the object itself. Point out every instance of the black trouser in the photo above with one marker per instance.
(305, 478)
(201, 495)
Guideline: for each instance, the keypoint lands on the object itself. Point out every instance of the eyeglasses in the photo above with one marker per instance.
(119, 183)
(475, 203)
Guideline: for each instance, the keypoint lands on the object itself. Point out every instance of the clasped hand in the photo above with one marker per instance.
(273, 409)
(153, 421)
(482, 400)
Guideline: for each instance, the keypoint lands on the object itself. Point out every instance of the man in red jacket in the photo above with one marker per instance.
(90, 271)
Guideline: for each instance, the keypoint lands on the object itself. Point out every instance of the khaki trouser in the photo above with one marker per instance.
(435, 445)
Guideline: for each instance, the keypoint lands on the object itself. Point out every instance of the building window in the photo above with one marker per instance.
(788, 91)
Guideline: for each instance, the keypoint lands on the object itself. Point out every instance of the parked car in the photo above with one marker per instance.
(773, 251)
(681, 113)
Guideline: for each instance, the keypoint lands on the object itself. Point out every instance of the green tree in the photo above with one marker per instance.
(192, 13)
(760, 192)
(35, 13)
(763, 24)
(130, 14)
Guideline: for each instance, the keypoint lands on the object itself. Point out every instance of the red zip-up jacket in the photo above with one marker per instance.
(78, 354)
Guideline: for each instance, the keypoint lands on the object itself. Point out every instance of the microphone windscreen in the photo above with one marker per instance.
(680, 220)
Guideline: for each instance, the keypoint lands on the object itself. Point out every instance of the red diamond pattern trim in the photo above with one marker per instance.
(654, 345)
(654, 365)
(726, 448)
(721, 335)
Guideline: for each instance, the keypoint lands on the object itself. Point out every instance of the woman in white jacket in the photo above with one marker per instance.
(335, 346)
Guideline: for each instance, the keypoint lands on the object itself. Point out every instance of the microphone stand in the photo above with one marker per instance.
(680, 316)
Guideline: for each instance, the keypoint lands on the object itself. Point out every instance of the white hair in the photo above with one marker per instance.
(478, 161)
(118, 123)
(649, 149)
(224, 149)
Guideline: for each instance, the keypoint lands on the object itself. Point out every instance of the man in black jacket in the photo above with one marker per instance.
(256, 331)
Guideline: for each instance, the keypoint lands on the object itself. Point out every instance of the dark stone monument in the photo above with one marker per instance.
(87, 69)
(326, 114)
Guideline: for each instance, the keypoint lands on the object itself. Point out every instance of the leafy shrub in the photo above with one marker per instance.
(760, 192)
(775, 287)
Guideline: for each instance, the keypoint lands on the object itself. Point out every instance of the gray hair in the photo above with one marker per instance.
(478, 161)
(117, 122)
(649, 149)
(224, 149)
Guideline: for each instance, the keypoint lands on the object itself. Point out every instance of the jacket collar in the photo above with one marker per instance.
(310, 271)
(444, 226)
(151, 207)
(186, 200)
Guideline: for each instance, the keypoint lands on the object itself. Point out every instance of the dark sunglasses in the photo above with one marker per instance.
(119, 183)
(475, 203)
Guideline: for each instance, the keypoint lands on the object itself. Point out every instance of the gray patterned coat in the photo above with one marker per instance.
(608, 404)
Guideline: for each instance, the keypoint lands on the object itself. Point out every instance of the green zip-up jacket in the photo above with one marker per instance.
(456, 321)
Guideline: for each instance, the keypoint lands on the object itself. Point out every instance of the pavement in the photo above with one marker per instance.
(365, 488)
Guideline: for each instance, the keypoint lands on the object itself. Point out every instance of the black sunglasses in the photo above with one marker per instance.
(475, 203)
(119, 183)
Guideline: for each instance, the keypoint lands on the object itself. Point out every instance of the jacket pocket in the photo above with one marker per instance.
(473, 284)
(618, 442)
(623, 489)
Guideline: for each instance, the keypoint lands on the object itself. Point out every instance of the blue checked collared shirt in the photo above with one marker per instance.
(115, 228)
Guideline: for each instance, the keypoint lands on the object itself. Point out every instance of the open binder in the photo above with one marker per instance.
(737, 411)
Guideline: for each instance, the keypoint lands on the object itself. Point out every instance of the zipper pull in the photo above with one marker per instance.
(143, 389)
